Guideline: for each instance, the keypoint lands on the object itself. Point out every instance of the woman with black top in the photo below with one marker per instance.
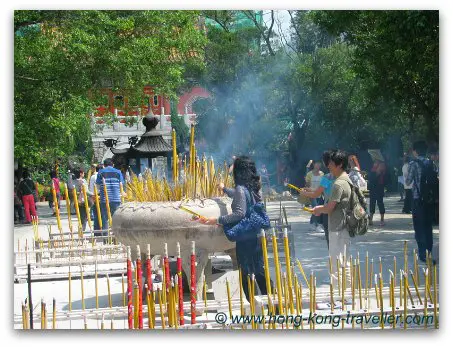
(249, 253)
(26, 191)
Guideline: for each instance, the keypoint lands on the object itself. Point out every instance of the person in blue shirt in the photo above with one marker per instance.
(325, 187)
(112, 178)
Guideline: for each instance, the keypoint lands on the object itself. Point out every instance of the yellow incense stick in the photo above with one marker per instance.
(57, 211)
(288, 269)
(230, 309)
(294, 187)
(277, 271)
(122, 192)
(76, 206)
(98, 208)
(266, 267)
(416, 287)
(108, 291)
(87, 208)
(192, 212)
(436, 322)
(299, 265)
(308, 209)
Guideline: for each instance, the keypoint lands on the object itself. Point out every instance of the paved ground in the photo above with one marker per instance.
(385, 242)
(310, 248)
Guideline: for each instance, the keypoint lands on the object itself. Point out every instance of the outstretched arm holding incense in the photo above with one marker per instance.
(324, 209)
(238, 207)
(312, 194)
(335, 198)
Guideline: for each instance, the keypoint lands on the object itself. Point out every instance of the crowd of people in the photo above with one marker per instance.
(26, 196)
(329, 193)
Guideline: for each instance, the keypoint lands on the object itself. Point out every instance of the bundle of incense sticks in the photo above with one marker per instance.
(192, 212)
(293, 187)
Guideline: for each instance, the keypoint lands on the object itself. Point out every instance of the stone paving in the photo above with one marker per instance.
(310, 248)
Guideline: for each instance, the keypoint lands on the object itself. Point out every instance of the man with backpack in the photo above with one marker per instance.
(425, 191)
(336, 208)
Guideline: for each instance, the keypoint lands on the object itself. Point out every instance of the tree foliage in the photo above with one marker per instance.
(322, 89)
(62, 59)
(399, 51)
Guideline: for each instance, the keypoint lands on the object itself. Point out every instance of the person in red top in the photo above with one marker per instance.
(376, 184)
(56, 186)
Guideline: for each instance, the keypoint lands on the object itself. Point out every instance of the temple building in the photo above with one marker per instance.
(128, 127)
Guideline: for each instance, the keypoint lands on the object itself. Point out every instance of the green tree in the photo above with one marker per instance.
(399, 51)
(62, 59)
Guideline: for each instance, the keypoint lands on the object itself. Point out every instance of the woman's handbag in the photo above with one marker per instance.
(250, 226)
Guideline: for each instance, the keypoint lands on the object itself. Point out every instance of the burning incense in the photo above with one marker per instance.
(288, 269)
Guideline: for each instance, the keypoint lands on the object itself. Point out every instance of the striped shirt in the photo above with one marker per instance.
(414, 176)
(112, 177)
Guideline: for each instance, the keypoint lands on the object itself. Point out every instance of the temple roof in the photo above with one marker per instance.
(150, 142)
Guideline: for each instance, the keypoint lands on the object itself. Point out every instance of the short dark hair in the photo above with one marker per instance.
(78, 172)
(339, 157)
(25, 174)
(53, 174)
(98, 167)
(108, 162)
(326, 157)
(420, 147)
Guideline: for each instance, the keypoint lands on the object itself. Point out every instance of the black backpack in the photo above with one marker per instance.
(428, 191)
